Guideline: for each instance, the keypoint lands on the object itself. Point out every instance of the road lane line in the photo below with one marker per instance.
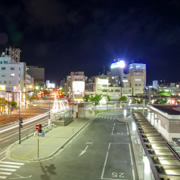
(113, 129)
(131, 161)
(107, 154)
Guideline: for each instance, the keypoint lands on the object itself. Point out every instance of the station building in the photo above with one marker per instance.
(166, 119)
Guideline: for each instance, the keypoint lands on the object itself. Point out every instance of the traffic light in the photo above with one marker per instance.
(20, 122)
(40, 128)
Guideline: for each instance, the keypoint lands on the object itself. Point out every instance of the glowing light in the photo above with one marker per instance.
(119, 64)
(133, 126)
(146, 165)
(78, 87)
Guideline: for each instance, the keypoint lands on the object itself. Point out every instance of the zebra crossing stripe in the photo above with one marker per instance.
(15, 163)
(5, 173)
(6, 169)
(9, 166)
(3, 177)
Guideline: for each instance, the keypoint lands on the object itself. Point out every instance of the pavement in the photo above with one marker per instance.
(53, 141)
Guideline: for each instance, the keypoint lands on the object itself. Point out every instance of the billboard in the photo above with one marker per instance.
(78, 87)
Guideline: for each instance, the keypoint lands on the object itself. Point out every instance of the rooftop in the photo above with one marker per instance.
(169, 109)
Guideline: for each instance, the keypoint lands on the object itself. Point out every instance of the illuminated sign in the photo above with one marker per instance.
(78, 87)
(119, 64)
(137, 66)
(2, 87)
(125, 80)
(137, 79)
(102, 81)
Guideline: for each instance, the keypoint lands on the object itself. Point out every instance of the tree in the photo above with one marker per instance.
(161, 101)
(123, 99)
(95, 99)
(86, 98)
(108, 98)
(13, 105)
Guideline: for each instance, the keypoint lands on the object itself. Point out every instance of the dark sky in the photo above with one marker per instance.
(82, 35)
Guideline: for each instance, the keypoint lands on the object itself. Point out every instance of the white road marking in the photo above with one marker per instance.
(3, 151)
(3, 177)
(5, 173)
(15, 163)
(7, 168)
(21, 177)
(131, 161)
(83, 151)
(113, 129)
(107, 154)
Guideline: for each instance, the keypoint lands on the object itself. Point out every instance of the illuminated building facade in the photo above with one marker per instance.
(75, 85)
(137, 77)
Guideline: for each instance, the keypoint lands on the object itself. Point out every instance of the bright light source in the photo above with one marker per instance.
(133, 126)
(146, 165)
(119, 64)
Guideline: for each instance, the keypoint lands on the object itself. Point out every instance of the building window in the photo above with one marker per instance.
(12, 68)
(110, 90)
(9, 82)
(117, 90)
(5, 62)
(3, 68)
(12, 75)
(5, 82)
(104, 90)
(3, 75)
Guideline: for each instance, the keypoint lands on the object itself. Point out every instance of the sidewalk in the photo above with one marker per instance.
(49, 145)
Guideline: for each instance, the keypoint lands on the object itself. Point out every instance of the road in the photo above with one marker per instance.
(101, 151)
(9, 137)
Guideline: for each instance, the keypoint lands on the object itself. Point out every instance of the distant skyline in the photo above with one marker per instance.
(66, 35)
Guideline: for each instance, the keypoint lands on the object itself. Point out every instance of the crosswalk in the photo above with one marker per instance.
(116, 117)
(7, 168)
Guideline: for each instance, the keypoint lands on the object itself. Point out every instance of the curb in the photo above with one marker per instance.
(8, 155)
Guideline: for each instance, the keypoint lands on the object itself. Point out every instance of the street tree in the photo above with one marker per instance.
(108, 98)
(96, 99)
(123, 99)
(86, 98)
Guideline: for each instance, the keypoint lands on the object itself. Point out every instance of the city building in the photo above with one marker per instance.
(137, 77)
(166, 119)
(13, 76)
(75, 85)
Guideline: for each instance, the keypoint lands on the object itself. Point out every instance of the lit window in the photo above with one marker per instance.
(12, 75)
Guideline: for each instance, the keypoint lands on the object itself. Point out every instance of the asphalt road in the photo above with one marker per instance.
(101, 151)
(9, 137)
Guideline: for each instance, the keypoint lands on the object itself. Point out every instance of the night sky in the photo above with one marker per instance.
(82, 35)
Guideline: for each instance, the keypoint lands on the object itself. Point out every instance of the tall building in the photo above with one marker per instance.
(13, 77)
(137, 77)
(117, 68)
